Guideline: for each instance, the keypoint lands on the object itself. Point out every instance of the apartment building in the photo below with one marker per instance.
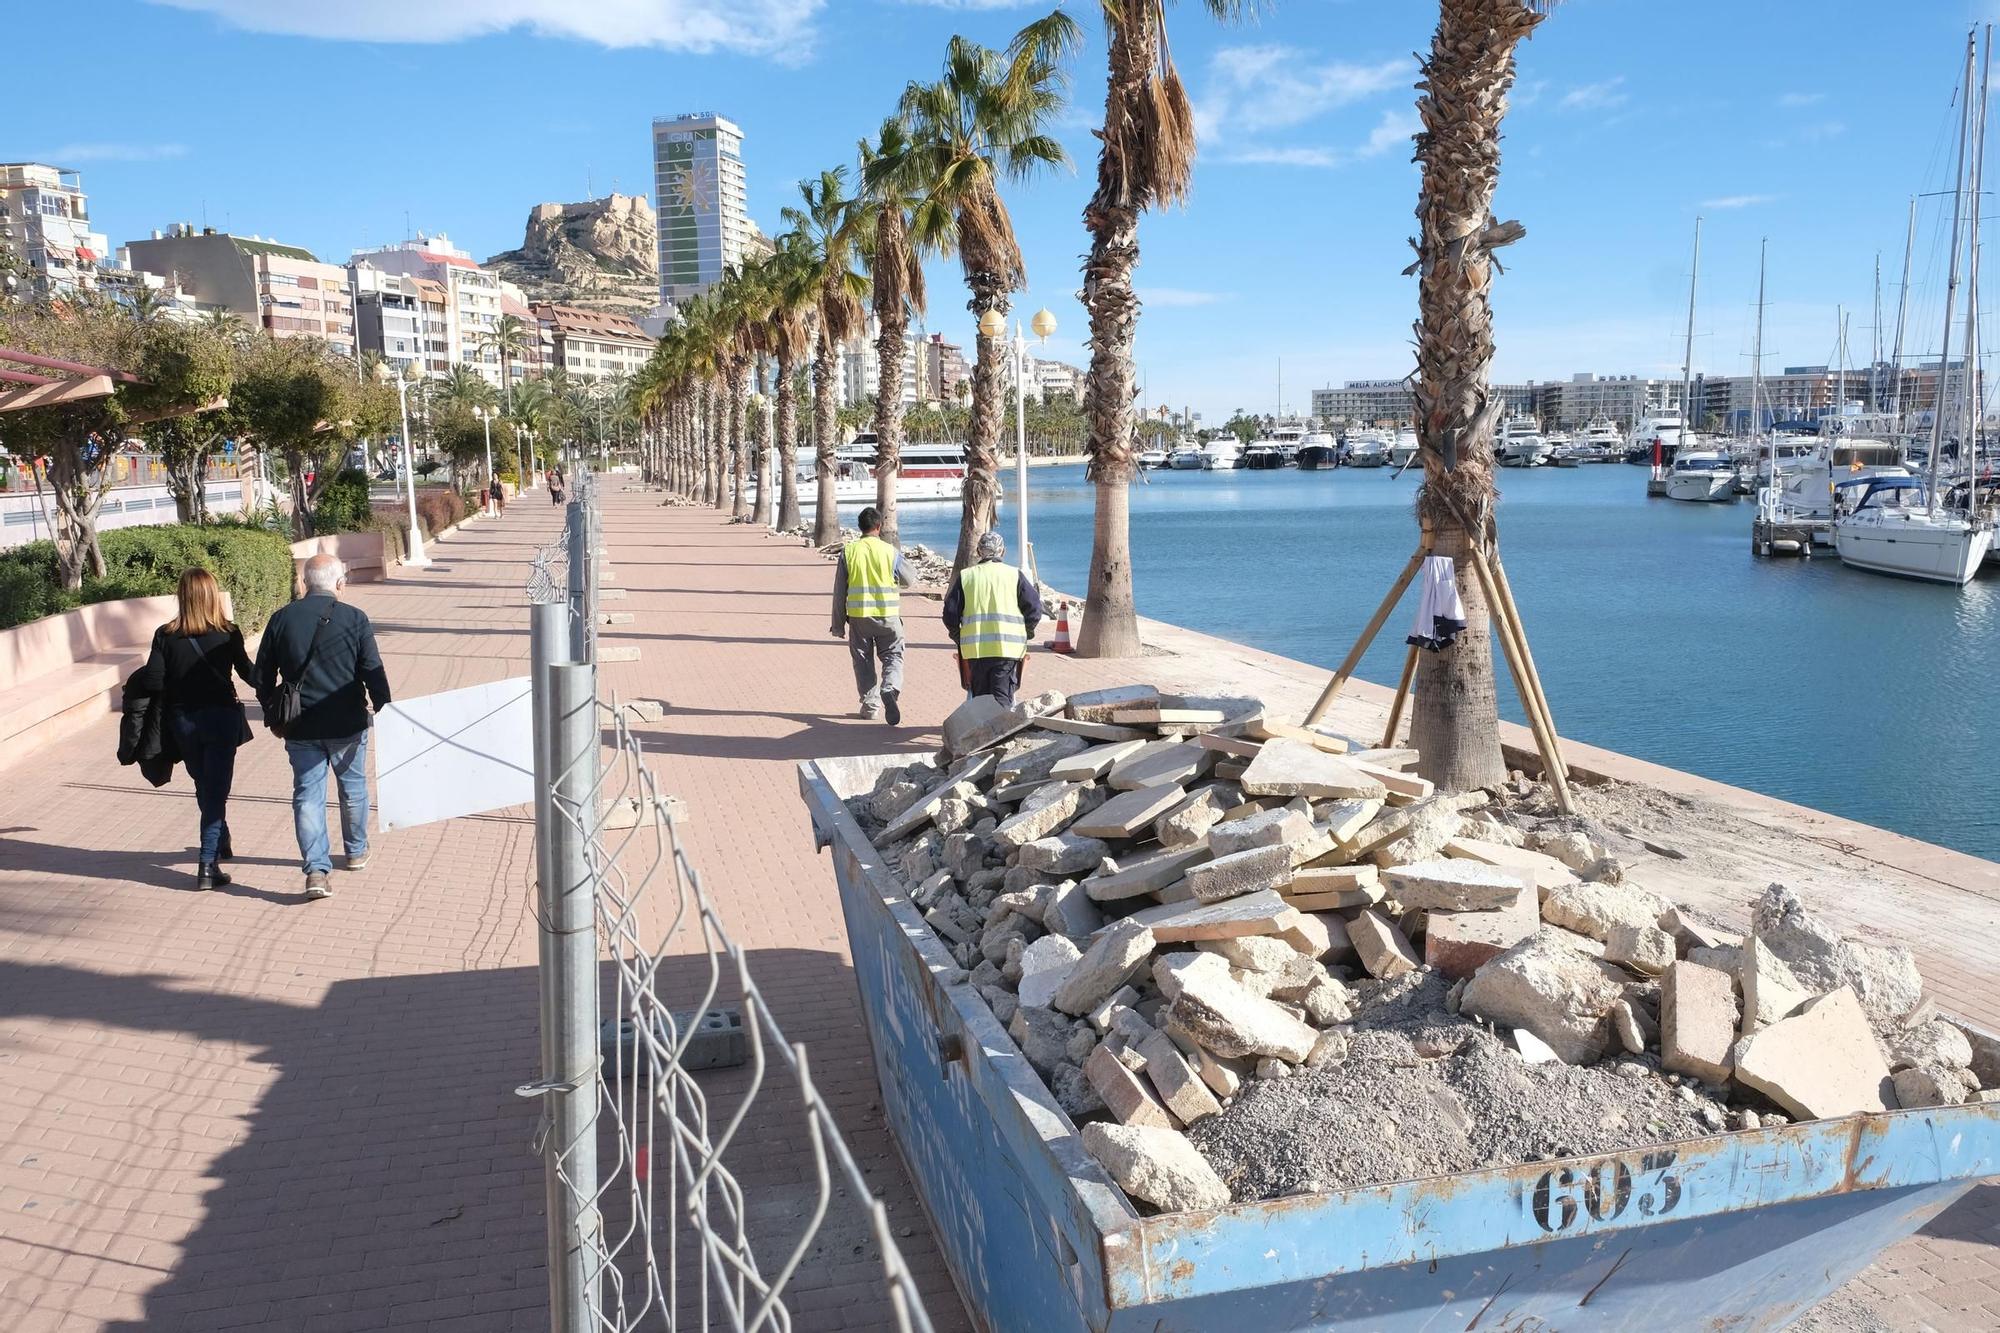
(279, 288)
(593, 344)
(861, 368)
(471, 295)
(401, 318)
(45, 222)
(1625, 399)
(702, 204)
(1365, 401)
(944, 369)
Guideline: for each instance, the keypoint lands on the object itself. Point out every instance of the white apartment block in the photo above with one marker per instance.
(593, 344)
(701, 202)
(472, 295)
(1624, 400)
(45, 221)
(861, 368)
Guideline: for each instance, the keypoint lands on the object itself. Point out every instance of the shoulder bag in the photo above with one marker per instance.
(282, 709)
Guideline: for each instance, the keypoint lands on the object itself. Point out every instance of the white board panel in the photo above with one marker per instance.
(461, 752)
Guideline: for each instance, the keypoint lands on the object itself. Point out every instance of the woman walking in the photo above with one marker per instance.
(188, 674)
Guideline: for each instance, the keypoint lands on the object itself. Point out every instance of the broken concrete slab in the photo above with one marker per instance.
(1270, 729)
(1099, 705)
(1033, 758)
(1455, 885)
(1645, 949)
(1326, 888)
(1936, 1043)
(1232, 876)
(1281, 827)
(1884, 977)
(1771, 992)
(1091, 731)
(1254, 914)
(1189, 822)
(1176, 1084)
(1069, 911)
(920, 811)
(1931, 1085)
(1562, 996)
(1288, 767)
(1689, 933)
(1146, 874)
(1458, 944)
(1547, 872)
(1045, 964)
(1382, 947)
(1169, 968)
(1698, 1019)
(1235, 746)
(1128, 812)
(1820, 1062)
(1255, 953)
(1225, 1018)
(1112, 959)
(1044, 815)
(1321, 935)
(1157, 1166)
(979, 722)
(1063, 854)
(1094, 762)
(1177, 764)
(1406, 785)
(1593, 909)
(1342, 820)
(1125, 1095)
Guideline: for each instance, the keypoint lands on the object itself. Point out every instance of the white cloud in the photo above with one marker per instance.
(1738, 200)
(111, 152)
(1393, 130)
(1283, 157)
(1180, 296)
(780, 28)
(1596, 96)
(1801, 99)
(1254, 89)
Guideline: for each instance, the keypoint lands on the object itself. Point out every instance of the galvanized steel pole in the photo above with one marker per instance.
(580, 557)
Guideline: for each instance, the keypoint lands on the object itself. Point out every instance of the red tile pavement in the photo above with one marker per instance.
(239, 1109)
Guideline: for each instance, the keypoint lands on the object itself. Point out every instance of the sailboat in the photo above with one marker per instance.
(1662, 436)
(1899, 525)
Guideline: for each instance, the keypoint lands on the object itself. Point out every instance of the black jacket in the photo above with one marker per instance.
(344, 678)
(144, 738)
(194, 672)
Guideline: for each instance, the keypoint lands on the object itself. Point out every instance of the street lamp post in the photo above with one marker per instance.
(485, 415)
(993, 325)
(415, 555)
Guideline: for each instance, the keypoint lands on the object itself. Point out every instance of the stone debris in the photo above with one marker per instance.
(1191, 916)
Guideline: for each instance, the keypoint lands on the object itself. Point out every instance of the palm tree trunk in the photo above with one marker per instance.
(1111, 618)
(760, 453)
(739, 502)
(788, 444)
(889, 344)
(826, 516)
(1454, 721)
(982, 444)
(718, 447)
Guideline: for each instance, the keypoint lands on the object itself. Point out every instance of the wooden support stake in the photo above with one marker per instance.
(1402, 697)
(1508, 616)
(1527, 653)
(1374, 627)
(1544, 739)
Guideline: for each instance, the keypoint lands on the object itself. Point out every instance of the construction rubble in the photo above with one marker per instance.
(1252, 960)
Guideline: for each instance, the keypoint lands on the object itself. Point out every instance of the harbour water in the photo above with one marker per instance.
(1657, 632)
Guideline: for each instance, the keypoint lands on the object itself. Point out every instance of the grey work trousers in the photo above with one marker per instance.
(996, 676)
(867, 640)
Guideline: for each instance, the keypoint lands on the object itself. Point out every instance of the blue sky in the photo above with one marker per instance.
(328, 124)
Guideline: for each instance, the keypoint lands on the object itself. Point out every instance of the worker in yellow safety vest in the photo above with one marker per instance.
(867, 611)
(991, 613)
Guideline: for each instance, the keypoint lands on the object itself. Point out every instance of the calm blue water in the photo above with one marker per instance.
(1657, 633)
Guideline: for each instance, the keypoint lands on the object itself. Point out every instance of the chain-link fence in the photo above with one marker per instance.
(671, 1124)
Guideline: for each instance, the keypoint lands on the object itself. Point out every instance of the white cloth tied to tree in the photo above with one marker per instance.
(1440, 613)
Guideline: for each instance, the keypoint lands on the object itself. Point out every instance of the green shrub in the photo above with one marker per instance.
(254, 565)
(344, 505)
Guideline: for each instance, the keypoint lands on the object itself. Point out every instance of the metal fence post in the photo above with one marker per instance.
(566, 823)
(578, 537)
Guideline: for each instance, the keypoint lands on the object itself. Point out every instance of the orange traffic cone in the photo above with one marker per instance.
(1062, 643)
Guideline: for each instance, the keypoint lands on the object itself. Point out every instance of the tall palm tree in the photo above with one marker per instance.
(794, 298)
(1454, 722)
(509, 339)
(982, 123)
(1146, 159)
(896, 274)
(462, 386)
(826, 224)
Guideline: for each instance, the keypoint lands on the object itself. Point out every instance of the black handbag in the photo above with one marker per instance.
(282, 709)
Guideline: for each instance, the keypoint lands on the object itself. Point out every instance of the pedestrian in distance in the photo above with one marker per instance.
(319, 655)
(991, 613)
(188, 675)
(555, 487)
(867, 609)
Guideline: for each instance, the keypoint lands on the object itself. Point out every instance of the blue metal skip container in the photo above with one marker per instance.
(1734, 1232)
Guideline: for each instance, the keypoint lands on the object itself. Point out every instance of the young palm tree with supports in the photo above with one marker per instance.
(826, 225)
(1147, 159)
(896, 275)
(983, 122)
(1454, 720)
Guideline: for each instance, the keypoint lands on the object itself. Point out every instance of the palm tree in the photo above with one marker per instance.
(794, 298)
(509, 338)
(1146, 159)
(1454, 723)
(462, 386)
(826, 224)
(983, 122)
(896, 272)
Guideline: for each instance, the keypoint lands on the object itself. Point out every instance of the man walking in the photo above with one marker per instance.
(868, 610)
(327, 649)
(991, 612)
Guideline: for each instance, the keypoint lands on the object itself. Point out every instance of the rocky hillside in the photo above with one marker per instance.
(599, 254)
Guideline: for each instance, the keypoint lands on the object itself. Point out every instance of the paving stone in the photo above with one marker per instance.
(1069, 911)
(1045, 964)
(1043, 1036)
(920, 811)
(1092, 731)
(1094, 762)
(1343, 820)
(1771, 991)
(1328, 888)
(1267, 828)
(1269, 729)
(1560, 995)
(1321, 935)
(1296, 768)
(1234, 746)
(1169, 968)
(1454, 885)
(1383, 949)
(1112, 959)
(1177, 1085)
(1033, 758)
(1099, 705)
(1176, 765)
(1547, 872)
(1189, 822)
(1158, 1166)
(1257, 953)
(1254, 914)
(979, 722)
(1125, 814)
(1820, 1062)
(1225, 1018)
(1125, 1095)
(1232, 876)
(1698, 1018)
(1458, 944)
(1063, 854)
(1145, 874)
(1043, 816)
(1122, 998)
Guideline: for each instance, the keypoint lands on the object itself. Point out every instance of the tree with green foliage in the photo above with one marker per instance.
(831, 247)
(294, 397)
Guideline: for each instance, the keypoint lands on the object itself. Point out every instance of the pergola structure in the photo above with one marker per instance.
(51, 382)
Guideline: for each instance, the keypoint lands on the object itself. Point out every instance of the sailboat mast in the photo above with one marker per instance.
(1757, 364)
(1951, 282)
(1687, 347)
(1902, 308)
(1840, 370)
(1975, 400)
(1875, 341)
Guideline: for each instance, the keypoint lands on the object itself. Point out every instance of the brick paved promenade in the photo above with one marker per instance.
(243, 1110)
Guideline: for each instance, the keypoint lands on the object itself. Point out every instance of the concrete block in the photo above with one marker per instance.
(1142, 875)
(1124, 1094)
(1698, 1018)
(1321, 935)
(1255, 953)
(1253, 914)
(1099, 705)
(1342, 820)
(1644, 949)
(1176, 765)
(1546, 872)
(1771, 992)
(1593, 909)
(1453, 885)
(1330, 888)
(1931, 1085)
(1112, 959)
(1270, 729)
(1398, 783)
(1267, 828)
(979, 722)
(1177, 1085)
(1188, 823)
(1170, 968)
(1103, 732)
(1157, 1166)
(1562, 996)
(1822, 1061)
(1458, 944)
(1094, 762)
(1045, 965)
(1063, 854)
(1936, 1044)
(1042, 816)
(1234, 746)
(1125, 814)
(1383, 949)
(1295, 768)
(1225, 1018)
(1069, 911)
(1122, 998)
(1033, 758)
(1244, 872)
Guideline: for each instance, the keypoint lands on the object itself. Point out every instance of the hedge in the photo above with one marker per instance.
(254, 565)
(343, 504)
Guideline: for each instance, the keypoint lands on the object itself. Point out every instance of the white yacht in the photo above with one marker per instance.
(928, 472)
(1366, 448)
(1318, 450)
(1289, 439)
(1701, 475)
(1521, 443)
(1152, 457)
(1222, 454)
(1187, 457)
(1403, 448)
(1807, 482)
(1894, 528)
(1661, 431)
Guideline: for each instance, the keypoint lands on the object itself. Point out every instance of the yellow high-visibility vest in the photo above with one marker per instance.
(992, 624)
(871, 579)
